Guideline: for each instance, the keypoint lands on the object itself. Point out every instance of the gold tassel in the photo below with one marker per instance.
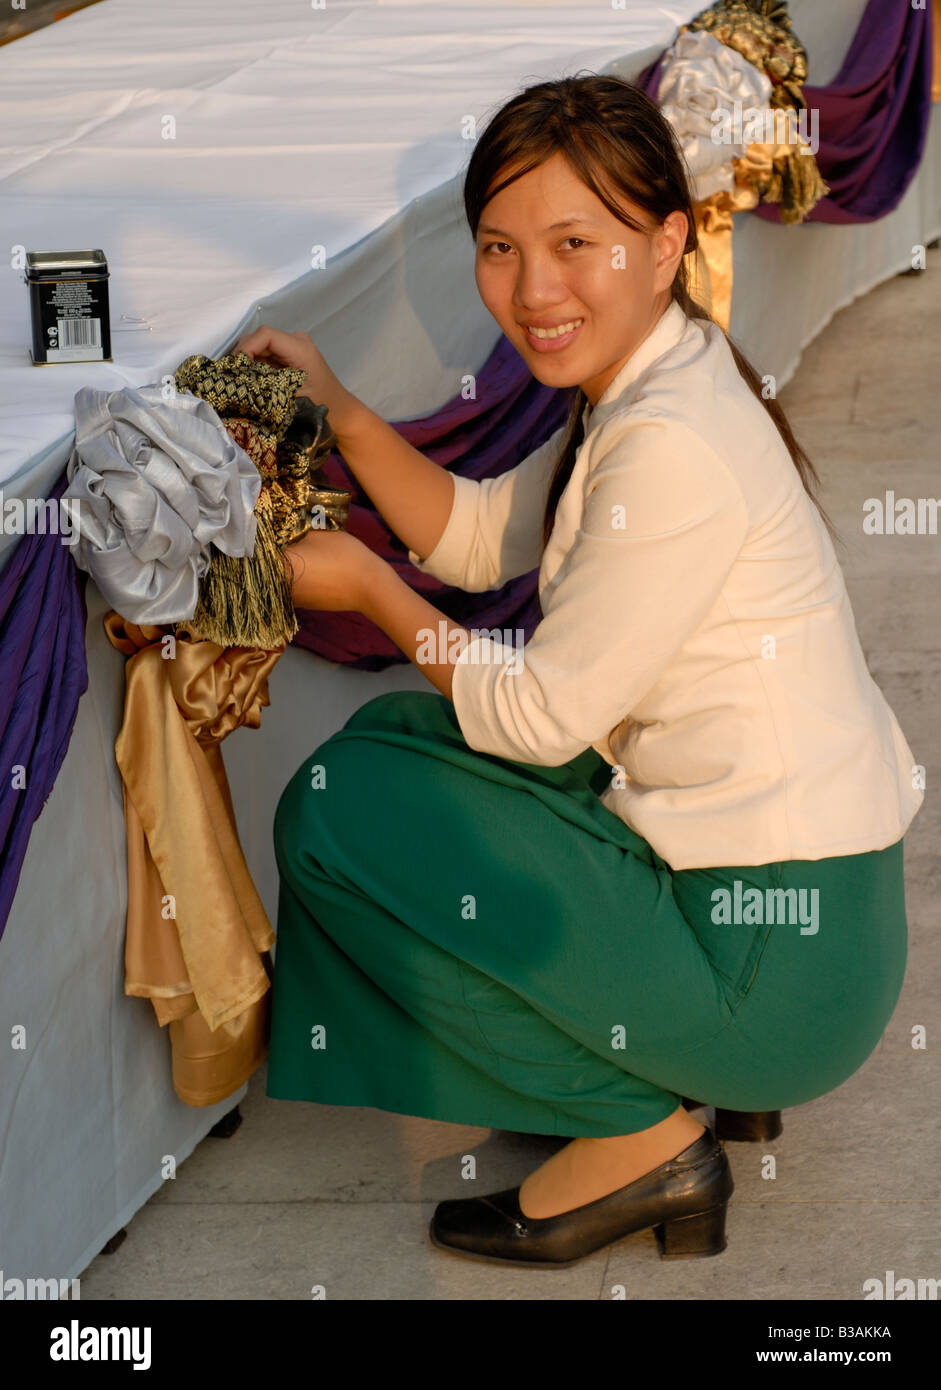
(804, 185)
(795, 182)
(245, 601)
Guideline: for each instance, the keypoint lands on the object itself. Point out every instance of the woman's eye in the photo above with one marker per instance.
(577, 238)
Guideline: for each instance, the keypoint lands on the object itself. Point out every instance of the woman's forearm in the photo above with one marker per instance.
(431, 641)
(412, 494)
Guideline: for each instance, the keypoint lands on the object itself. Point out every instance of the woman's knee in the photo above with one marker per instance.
(318, 794)
(400, 709)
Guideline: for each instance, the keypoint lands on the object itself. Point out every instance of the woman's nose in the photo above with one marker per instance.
(537, 291)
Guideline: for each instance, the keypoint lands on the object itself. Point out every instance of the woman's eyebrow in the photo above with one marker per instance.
(556, 226)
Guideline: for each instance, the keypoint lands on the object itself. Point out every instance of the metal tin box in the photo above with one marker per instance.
(68, 299)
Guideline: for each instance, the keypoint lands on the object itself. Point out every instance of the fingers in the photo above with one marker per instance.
(262, 342)
(274, 345)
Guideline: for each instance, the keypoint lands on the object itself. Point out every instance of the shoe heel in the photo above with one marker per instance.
(687, 1237)
(748, 1125)
(742, 1125)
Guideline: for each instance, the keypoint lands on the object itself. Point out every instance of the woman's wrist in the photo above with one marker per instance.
(416, 627)
(379, 583)
(343, 408)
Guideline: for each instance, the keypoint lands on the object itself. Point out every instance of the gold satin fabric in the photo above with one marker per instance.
(713, 268)
(712, 273)
(205, 969)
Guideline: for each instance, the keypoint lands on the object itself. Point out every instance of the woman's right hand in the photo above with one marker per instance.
(294, 350)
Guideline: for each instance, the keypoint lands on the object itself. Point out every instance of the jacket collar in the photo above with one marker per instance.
(666, 333)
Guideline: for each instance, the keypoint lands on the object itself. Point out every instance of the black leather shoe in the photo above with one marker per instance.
(685, 1200)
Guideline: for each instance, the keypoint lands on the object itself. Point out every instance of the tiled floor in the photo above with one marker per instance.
(306, 1195)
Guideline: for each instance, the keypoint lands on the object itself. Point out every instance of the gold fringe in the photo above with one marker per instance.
(245, 601)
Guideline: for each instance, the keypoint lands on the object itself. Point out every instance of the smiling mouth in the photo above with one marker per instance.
(548, 335)
(549, 341)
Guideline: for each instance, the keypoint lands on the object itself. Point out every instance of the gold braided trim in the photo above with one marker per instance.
(238, 385)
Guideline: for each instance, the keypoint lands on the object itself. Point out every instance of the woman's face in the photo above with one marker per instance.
(606, 284)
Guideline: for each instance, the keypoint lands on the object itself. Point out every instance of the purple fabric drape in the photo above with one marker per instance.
(42, 638)
(873, 116)
(512, 415)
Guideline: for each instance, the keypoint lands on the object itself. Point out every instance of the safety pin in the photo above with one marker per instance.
(131, 319)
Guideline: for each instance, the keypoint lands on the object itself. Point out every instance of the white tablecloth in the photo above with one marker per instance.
(293, 128)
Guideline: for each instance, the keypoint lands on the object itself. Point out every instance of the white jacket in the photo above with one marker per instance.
(697, 630)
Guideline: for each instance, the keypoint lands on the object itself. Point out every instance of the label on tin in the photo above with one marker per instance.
(70, 314)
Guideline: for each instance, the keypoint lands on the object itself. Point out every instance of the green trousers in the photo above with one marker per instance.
(468, 938)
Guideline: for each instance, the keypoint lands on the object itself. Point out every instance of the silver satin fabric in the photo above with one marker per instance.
(157, 481)
(701, 75)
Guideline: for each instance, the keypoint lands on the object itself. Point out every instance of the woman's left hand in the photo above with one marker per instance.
(332, 570)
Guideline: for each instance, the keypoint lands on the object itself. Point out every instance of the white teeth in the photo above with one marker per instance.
(559, 332)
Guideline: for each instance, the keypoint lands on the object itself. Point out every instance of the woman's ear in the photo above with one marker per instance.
(671, 241)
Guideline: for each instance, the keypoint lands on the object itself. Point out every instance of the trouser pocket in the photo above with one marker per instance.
(733, 913)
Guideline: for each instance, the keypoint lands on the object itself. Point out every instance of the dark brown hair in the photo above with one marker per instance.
(608, 124)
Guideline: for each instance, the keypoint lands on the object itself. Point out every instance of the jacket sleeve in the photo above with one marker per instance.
(663, 519)
(494, 530)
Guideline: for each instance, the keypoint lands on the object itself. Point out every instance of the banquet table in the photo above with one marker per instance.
(244, 164)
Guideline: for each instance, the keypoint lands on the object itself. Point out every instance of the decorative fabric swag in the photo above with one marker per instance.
(183, 515)
(872, 121)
